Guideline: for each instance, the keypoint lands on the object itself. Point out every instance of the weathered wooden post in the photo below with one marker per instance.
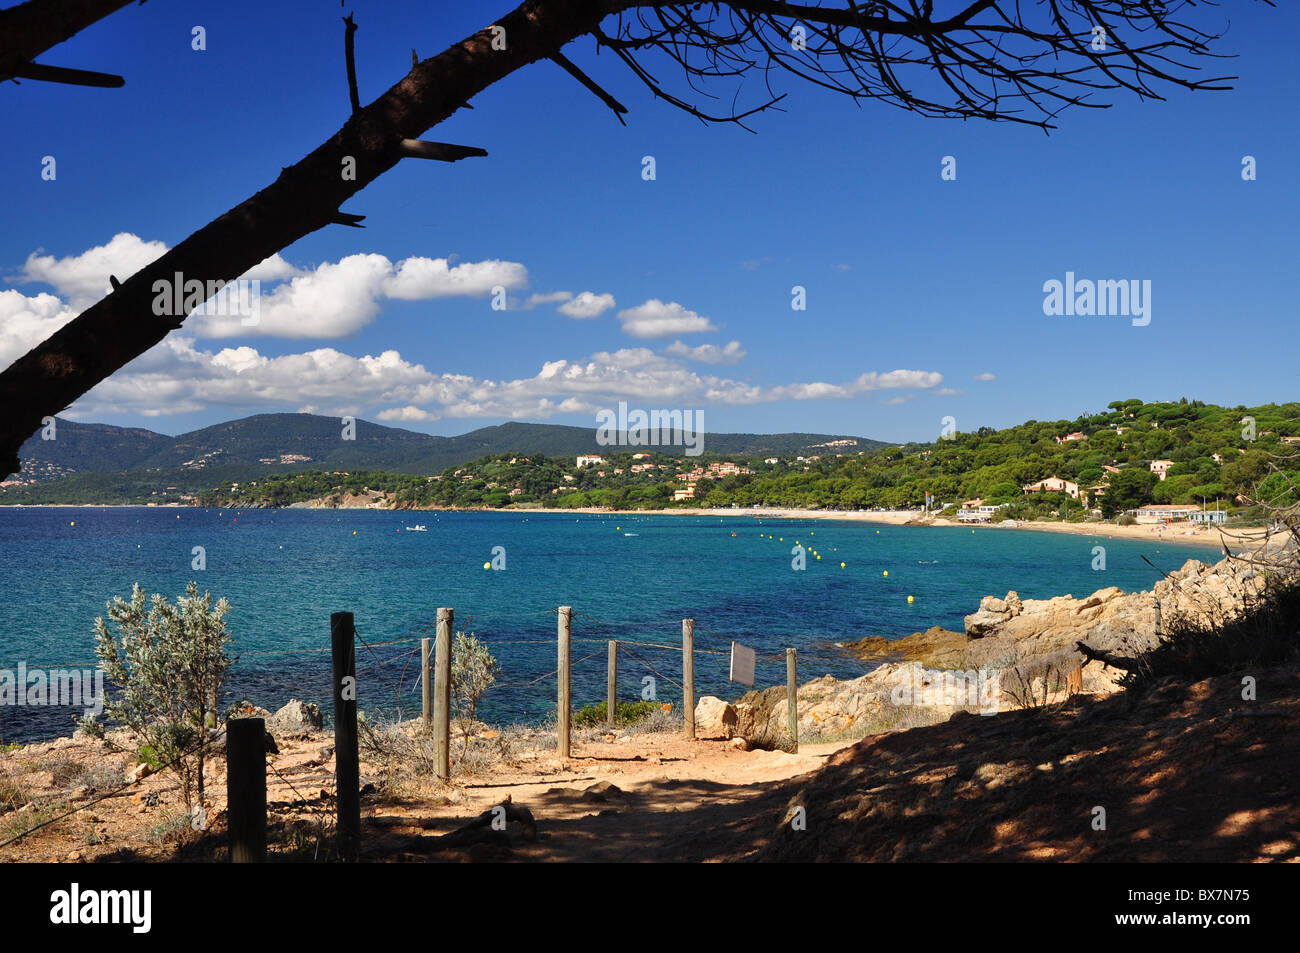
(565, 637)
(442, 694)
(688, 677)
(426, 654)
(611, 685)
(246, 789)
(347, 767)
(792, 697)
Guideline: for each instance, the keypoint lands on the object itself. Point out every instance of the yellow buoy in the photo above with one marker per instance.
(354, 532)
(909, 599)
(819, 557)
(487, 565)
(841, 565)
(72, 523)
(886, 572)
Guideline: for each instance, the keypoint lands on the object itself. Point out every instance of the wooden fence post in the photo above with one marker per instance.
(688, 677)
(565, 636)
(426, 712)
(442, 694)
(611, 685)
(792, 697)
(347, 768)
(246, 789)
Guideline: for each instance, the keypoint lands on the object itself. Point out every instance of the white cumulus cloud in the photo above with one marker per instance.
(707, 353)
(657, 319)
(25, 322)
(83, 279)
(337, 299)
(587, 304)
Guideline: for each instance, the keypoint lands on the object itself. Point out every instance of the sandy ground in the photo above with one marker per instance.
(1236, 539)
(1185, 773)
(642, 785)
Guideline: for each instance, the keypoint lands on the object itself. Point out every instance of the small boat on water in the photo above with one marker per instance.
(418, 528)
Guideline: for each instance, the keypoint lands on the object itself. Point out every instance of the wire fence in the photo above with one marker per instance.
(389, 674)
(393, 667)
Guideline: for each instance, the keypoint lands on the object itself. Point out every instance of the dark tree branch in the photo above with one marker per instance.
(442, 151)
(570, 68)
(29, 29)
(66, 75)
(1105, 658)
(991, 59)
(349, 50)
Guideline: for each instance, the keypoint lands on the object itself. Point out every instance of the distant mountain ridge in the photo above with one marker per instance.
(286, 442)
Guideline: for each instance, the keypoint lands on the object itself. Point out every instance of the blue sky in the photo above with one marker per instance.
(903, 271)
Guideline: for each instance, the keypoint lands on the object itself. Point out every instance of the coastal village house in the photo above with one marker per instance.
(713, 471)
(1053, 485)
(1162, 512)
(589, 460)
(976, 511)
(1161, 468)
(1071, 437)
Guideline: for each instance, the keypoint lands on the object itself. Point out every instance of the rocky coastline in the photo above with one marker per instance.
(1013, 653)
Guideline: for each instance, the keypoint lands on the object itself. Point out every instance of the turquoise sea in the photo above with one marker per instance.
(628, 577)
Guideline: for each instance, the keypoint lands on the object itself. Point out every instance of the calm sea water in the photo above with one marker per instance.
(632, 578)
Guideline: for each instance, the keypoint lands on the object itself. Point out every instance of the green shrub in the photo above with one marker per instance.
(473, 671)
(91, 727)
(168, 661)
(593, 716)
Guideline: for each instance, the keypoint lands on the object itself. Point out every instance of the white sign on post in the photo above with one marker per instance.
(742, 664)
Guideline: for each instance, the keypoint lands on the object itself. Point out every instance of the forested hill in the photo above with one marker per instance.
(104, 456)
(1207, 454)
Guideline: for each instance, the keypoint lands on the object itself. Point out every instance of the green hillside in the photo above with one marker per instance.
(1108, 456)
(1209, 455)
(78, 448)
(98, 463)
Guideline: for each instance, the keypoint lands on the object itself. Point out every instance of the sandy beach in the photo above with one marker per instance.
(1244, 538)
(1235, 540)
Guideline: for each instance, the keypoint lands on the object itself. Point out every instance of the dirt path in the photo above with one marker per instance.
(609, 802)
(612, 800)
(1183, 772)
